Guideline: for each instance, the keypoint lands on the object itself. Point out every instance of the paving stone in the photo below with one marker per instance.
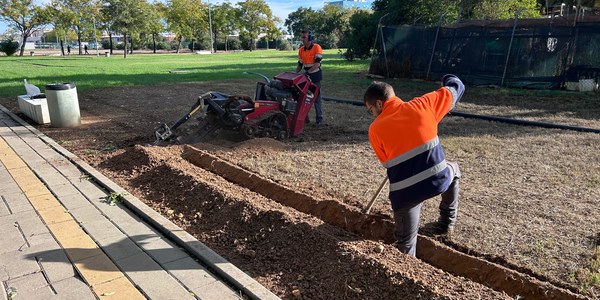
(40, 238)
(12, 239)
(155, 282)
(50, 176)
(44, 202)
(19, 263)
(41, 293)
(28, 283)
(4, 208)
(56, 265)
(216, 291)
(92, 191)
(64, 190)
(97, 269)
(85, 212)
(120, 288)
(56, 214)
(80, 247)
(73, 288)
(65, 230)
(190, 273)
(162, 251)
(17, 202)
(101, 229)
(119, 247)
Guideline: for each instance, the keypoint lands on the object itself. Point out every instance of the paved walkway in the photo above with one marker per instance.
(62, 235)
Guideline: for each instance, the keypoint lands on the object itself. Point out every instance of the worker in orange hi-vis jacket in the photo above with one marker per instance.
(404, 136)
(310, 56)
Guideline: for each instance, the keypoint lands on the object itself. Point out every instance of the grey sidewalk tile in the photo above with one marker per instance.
(75, 201)
(18, 263)
(119, 247)
(73, 288)
(151, 278)
(85, 212)
(27, 283)
(17, 202)
(12, 239)
(162, 251)
(101, 228)
(64, 190)
(95, 193)
(4, 211)
(190, 273)
(216, 291)
(40, 239)
(51, 176)
(56, 265)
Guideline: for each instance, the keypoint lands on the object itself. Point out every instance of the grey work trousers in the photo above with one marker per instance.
(407, 218)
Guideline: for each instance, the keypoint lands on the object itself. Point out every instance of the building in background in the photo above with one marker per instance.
(360, 4)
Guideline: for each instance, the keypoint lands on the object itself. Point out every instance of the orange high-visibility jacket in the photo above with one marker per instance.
(308, 57)
(404, 138)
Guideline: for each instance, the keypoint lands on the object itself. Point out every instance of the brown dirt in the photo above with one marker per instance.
(528, 198)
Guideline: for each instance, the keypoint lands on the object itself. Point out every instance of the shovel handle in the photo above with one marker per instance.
(367, 209)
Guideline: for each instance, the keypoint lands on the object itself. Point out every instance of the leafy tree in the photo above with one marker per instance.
(327, 24)
(256, 17)
(60, 21)
(411, 12)
(177, 12)
(302, 19)
(24, 16)
(154, 24)
(500, 9)
(79, 14)
(224, 21)
(126, 16)
(362, 29)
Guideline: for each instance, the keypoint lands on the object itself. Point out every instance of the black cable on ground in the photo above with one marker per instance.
(489, 118)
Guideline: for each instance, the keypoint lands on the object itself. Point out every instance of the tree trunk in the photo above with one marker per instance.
(62, 48)
(79, 40)
(110, 41)
(25, 36)
(178, 44)
(125, 39)
(154, 42)
(131, 48)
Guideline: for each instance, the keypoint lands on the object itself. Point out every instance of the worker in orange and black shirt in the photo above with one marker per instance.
(404, 136)
(309, 58)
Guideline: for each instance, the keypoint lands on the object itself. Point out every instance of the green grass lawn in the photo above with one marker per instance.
(93, 72)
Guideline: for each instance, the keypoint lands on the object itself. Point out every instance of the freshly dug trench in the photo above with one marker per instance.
(373, 227)
(287, 251)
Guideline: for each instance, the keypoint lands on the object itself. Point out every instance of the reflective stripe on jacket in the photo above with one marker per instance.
(404, 138)
(308, 57)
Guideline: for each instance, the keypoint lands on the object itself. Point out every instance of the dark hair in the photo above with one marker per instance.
(378, 91)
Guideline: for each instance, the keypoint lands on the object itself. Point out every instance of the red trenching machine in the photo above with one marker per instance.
(278, 110)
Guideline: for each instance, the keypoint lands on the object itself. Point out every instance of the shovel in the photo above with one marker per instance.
(367, 209)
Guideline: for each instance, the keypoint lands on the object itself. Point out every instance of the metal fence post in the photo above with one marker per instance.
(376, 37)
(510, 45)
(434, 44)
(387, 69)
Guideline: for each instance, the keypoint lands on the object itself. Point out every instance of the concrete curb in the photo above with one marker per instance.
(221, 266)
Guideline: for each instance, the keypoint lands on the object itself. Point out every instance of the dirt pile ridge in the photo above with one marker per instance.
(376, 227)
(284, 249)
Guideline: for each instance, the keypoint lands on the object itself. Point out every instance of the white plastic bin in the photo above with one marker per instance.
(63, 105)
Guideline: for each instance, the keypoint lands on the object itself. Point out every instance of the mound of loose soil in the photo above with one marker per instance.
(284, 249)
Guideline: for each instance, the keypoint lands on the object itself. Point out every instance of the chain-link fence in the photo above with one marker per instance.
(532, 53)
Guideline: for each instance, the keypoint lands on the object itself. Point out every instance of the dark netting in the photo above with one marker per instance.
(544, 53)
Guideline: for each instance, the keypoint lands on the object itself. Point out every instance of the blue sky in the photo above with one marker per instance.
(280, 8)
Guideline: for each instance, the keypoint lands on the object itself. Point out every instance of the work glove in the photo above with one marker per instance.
(451, 81)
